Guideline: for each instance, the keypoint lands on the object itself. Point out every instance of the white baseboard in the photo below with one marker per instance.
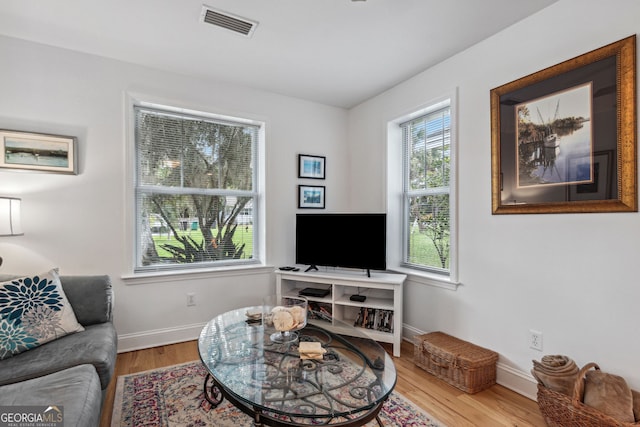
(517, 380)
(158, 337)
(511, 378)
(514, 379)
(409, 332)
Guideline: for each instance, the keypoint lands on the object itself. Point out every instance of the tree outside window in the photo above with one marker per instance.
(195, 189)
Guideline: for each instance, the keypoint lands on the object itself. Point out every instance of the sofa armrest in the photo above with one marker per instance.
(91, 298)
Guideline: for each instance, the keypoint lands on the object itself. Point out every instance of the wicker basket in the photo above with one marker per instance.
(561, 410)
(463, 365)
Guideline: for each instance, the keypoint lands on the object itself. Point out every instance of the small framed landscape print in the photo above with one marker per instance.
(311, 197)
(311, 166)
(39, 152)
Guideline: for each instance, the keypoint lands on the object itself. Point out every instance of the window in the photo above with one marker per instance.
(196, 194)
(428, 208)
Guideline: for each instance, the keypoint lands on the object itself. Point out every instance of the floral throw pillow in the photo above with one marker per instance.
(33, 310)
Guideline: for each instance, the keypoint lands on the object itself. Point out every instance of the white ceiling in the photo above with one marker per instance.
(336, 52)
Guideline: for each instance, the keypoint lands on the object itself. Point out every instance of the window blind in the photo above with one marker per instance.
(426, 169)
(195, 185)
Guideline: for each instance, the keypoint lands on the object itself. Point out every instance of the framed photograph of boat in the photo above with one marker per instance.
(38, 152)
(563, 140)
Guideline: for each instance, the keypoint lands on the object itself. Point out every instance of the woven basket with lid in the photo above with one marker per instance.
(464, 365)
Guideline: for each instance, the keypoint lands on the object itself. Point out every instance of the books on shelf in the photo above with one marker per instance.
(319, 310)
(374, 318)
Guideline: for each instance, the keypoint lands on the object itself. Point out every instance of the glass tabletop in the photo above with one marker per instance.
(354, 374)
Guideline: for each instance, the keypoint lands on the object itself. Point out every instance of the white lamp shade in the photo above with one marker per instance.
(10, 224)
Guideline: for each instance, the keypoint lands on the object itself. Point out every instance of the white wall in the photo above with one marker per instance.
(78, 223)
(574, 277)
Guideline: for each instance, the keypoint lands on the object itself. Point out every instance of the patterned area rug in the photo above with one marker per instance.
(173, 396)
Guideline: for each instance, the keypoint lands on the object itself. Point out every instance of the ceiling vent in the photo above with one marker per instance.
(228, 21)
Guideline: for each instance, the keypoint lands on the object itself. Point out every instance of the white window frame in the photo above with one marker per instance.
(135, 274)
(397, 201)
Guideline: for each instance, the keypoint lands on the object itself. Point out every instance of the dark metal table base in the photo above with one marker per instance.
(215, 394)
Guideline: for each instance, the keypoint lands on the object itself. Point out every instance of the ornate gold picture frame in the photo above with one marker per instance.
(563, 140)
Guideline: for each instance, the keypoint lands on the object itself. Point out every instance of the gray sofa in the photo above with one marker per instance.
(75, 370)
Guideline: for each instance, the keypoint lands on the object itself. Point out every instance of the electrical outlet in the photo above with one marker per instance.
(191, 299)
(535, 340)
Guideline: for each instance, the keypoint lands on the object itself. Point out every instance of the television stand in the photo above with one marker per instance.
(311, 267)
(382, 305)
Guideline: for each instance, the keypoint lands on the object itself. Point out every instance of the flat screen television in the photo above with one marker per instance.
(349, 240)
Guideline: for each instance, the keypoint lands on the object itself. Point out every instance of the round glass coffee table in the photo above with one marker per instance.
(274, 385)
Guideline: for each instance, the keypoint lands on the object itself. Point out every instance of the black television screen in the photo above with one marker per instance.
(349, 240)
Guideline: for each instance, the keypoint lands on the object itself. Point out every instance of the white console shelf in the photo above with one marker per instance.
(383, 292)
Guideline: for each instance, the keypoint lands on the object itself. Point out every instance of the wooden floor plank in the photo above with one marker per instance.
(496, 406)
(500, 402)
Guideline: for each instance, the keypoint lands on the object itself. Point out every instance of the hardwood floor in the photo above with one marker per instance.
(497, 406)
